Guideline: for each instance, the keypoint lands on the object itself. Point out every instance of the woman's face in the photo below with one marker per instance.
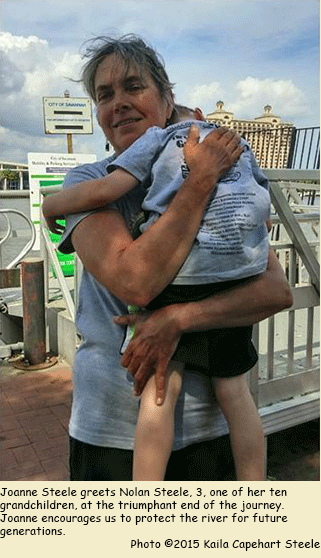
(127, 103)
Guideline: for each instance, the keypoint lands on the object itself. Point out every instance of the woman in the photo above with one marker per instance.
(130, 87)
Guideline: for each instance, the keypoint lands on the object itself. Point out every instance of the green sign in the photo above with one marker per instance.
(66, 260)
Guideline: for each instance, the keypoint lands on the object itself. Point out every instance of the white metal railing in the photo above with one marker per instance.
(49, 252)
(29, 245)
(50, 255)
(288, 343)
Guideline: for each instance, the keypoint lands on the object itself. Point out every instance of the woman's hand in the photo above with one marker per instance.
(150, 351)
(213, 157)
(157, 334)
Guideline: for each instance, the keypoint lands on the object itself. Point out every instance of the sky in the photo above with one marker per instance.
(247, 53)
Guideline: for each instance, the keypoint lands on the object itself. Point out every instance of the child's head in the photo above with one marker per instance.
(181, 113)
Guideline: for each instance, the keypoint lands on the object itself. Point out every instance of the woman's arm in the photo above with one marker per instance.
(87, 195)
(137, 271)
(157, 334)
(246, 304)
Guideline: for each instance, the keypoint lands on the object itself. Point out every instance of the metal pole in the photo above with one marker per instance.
(291, 149)
(69, 136)
(69, 143)
(33, 299)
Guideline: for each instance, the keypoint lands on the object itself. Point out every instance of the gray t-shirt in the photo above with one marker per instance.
(232, 242)
(104, 411)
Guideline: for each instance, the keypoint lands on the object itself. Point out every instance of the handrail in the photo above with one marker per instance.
(300, 175)
(44, 190)
(295, 233)
(51, 252)
(9, 230)
(29, 244)
(60, 276)
(6, 236)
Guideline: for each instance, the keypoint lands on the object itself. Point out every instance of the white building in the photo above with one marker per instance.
(13, 176)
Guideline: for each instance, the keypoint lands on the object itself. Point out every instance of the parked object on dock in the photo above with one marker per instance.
(34, 316)
(34, 322)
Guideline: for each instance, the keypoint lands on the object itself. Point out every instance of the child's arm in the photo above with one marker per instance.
(87, 195)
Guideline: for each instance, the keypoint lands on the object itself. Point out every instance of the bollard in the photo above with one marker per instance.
(33, 301)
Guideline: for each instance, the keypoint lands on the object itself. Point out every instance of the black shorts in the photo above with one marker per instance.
(224, 352)
(206, 461)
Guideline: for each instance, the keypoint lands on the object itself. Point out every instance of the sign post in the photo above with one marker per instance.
(69, 143)
(62, 115)
(69, 136)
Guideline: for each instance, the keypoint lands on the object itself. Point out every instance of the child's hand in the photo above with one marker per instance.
(50, 214)
(53, 225)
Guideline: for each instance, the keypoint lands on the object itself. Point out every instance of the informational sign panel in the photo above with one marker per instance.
(50, 169)
(67, 115)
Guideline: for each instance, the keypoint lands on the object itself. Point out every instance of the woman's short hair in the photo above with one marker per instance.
(131, 49)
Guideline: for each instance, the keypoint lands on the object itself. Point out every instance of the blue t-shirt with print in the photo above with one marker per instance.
(232, 241)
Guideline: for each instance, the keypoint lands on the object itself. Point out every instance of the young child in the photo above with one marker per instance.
(231, 246)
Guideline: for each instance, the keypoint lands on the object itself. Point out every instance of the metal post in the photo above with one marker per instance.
(69, 143)
(69, 136)
(33, 298)
(290, 163)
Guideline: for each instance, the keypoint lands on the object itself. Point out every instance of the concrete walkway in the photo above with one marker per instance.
(35, 409)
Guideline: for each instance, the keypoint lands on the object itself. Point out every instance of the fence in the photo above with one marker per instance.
(286, 147)
(285, 382)
(305, 149)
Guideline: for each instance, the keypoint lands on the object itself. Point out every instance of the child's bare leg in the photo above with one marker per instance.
(246, 432)
(155, 427)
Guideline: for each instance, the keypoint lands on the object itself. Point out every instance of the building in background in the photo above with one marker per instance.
(13, 176)
(269, 137)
